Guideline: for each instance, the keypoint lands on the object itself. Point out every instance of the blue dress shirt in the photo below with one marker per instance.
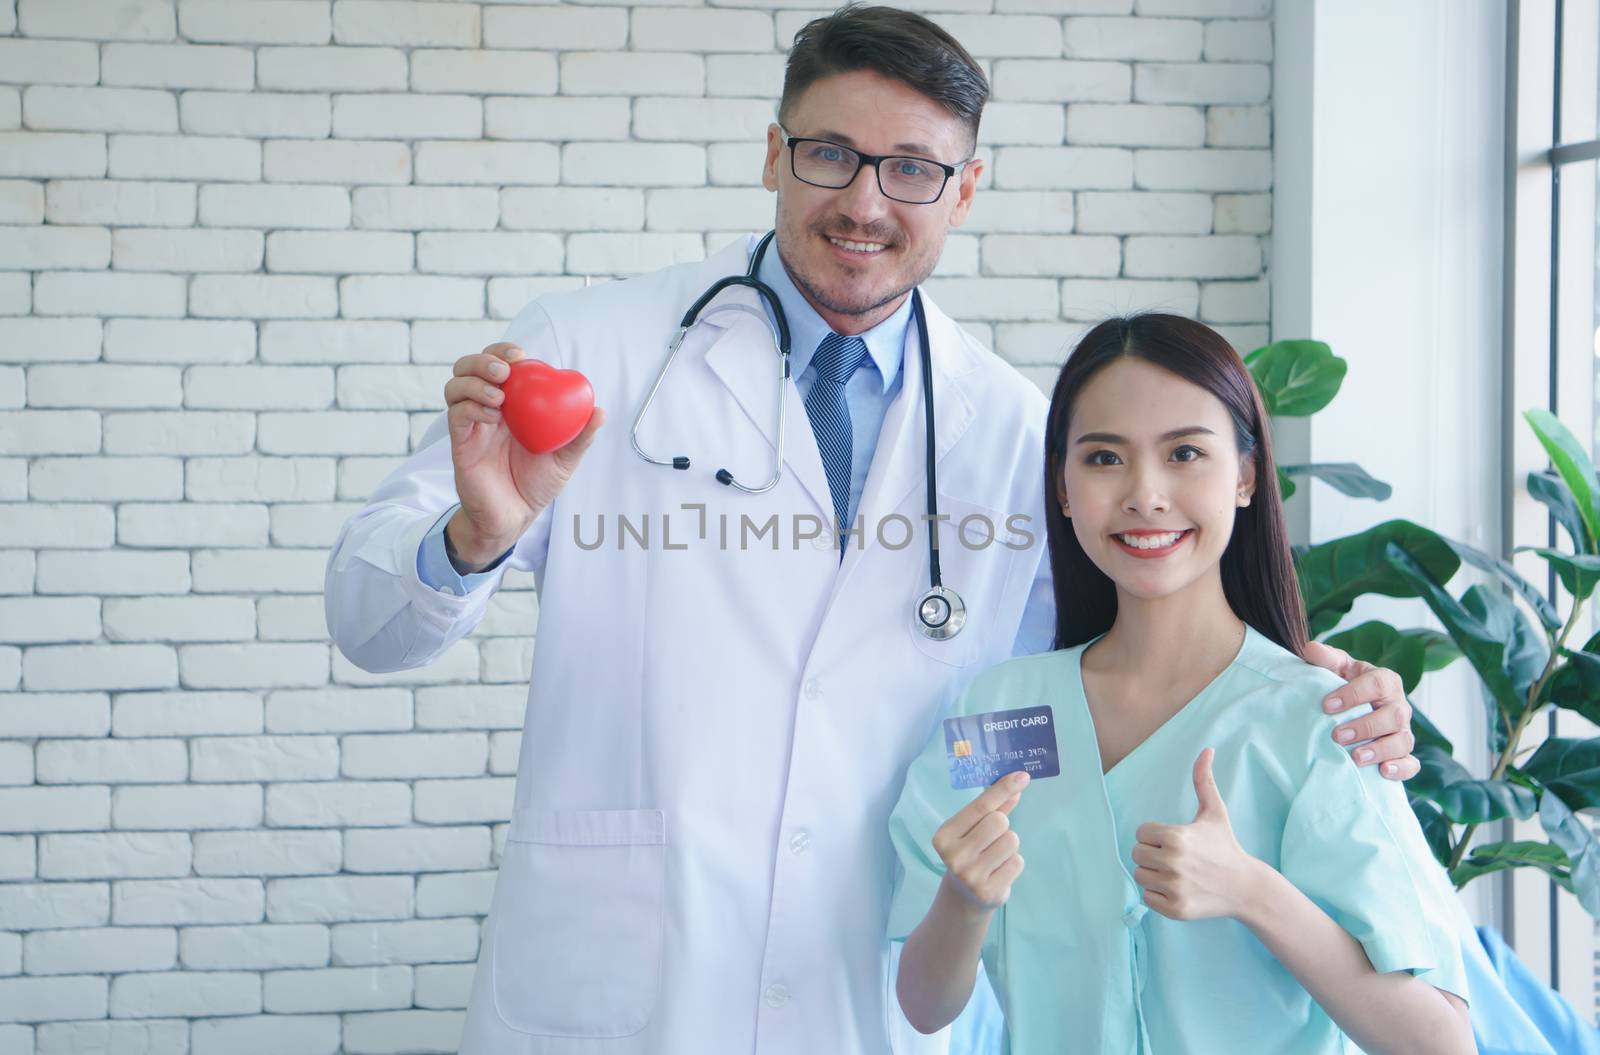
(867, 396)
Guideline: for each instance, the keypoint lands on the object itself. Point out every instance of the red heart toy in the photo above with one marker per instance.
(545, 408)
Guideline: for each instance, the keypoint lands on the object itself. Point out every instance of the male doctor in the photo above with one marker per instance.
(720, 713)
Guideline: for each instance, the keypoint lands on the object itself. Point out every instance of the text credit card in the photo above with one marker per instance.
(982, 748)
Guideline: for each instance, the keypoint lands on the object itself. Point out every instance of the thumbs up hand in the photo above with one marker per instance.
(1196, 870)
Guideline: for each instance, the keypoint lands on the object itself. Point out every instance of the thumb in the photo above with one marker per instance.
(1205, 788)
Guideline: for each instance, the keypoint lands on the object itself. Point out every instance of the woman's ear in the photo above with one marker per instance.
(1061, 496)
(1247, 480)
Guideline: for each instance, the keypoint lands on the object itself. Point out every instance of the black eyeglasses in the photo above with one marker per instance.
(913, 180)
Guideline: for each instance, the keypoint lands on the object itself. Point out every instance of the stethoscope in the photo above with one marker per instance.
(940, 613)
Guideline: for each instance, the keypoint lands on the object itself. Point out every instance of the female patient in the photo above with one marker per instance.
(1209, 872)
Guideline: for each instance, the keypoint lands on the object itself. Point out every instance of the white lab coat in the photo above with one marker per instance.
(698, 858)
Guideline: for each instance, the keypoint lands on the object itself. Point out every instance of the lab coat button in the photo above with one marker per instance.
(799, 841)
(812, 689)
(777, 995)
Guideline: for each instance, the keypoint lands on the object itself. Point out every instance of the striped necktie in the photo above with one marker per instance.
(835, 360)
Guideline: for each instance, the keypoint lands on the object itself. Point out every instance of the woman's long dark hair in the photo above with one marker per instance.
(1258, 576)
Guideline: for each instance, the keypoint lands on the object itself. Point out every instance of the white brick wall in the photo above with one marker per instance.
(241, 241)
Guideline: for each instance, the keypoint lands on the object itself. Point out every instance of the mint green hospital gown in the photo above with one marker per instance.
(1079, 964)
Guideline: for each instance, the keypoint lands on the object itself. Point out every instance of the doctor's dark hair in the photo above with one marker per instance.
(901, 45)
(1258, 575)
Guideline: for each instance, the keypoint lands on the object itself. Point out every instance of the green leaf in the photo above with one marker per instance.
(1296, 378)
(1286, 486)
(1383, 646)
(1576, 683)
(1438, 651)
(1335, 573)
(1572, 463)
(1548, 488)
(1492, 857)
(1579, 574)
(1488, 629)
(1345, 477)
(1526, 650)
(1503, 570)
(1573, 836)
(1463, 798)
(1569, 767)
(1435, 828)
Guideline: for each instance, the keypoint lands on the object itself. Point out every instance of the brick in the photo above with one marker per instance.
(16, 768)
(1020, 211)
(339, 252)
(997, 35)
(40, 525)
(1204, 170)
(445, 342)
(1135, 125)
(256, 21)
(42, 340)
(43, 999)
(50, 62)
(1051, 255)
(557, 119)
(236, 758)
(173, 432)
(632, 73)
(178, 66)
(256, 947)
(455, 893)
(52, 154)
(572, 209)
(125, 203)
(1094, 299)
(335, 161)
(39, 809)
(496, 163)
(266, 853)
(1062, 81)
(267, 1034)
(264, 571)
(88, 293)
(21, 202)
(43, 620)
(1243, 213)
(701, 208)
(443, 985)
(556, 28)
(489, 253)
(1218, 256)
(158, 249)
(382, 115)
(405, 297)
(633, 164)
(995, 298)
(756, 76)
(1063, 168)
(479, 72)
(1029, 123)
(77, 109)
(338, 710)
(1213, 83)
(700, 120)
(152, 1037)
(414, 755)
(257, 479)
(97, 19)
(284, 205)
(182, 807)
(185, 714)
(334, 342)
(338, 804)
(16, 576)
(1236, 301)
(263, 296)
(618, 254)
(1144, 212)
(425, 208)
(114, 572)
(75, 668)
(327, 69)
(1239, 126)
(1165, 39)
(411, 941)
(181, 157)
(105, 950)
(1243, 41)
(314, 525)
(17, 855)
(47, 248)
(186, 619)
(485, 800)
(339, 899)
(391, 387)
(37, 906)
(114, 855)
(504, 750)
(297, 618)
(256, 114)
(336, 989)
(736, 164)
(415, 22)
(111, 762)
(189, 994)
(1206, 8)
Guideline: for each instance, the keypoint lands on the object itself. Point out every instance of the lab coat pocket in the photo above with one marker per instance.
(579, 922)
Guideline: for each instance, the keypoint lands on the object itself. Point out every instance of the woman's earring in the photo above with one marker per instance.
(1065, 511)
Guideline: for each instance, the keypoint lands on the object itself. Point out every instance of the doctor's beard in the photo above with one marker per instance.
(864, 303)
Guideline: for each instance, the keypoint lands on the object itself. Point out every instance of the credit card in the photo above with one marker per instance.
(982, 748)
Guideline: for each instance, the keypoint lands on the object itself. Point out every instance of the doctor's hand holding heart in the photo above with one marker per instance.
(518, 429)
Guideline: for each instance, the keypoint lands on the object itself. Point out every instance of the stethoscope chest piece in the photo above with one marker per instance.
(941, 613)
